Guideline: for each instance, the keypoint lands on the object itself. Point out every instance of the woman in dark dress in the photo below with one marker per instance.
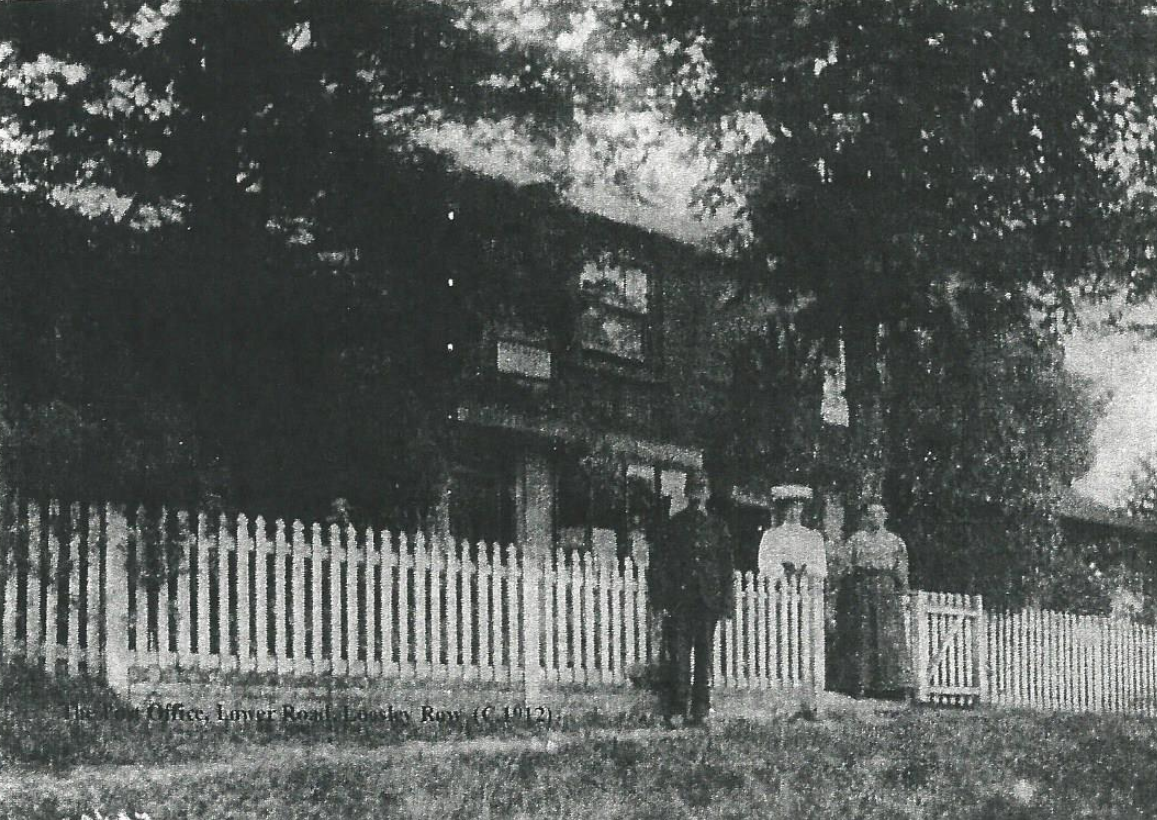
(871, 611)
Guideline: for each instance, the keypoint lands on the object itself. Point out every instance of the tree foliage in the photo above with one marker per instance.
(938, 176)
(985, 428)
(209, 224)
(1141, 495)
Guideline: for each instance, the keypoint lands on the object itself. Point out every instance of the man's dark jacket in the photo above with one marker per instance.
(692, 564)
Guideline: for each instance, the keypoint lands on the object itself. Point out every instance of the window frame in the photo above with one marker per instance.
(607, 306)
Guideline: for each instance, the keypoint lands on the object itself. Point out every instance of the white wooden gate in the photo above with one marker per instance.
(947, 636)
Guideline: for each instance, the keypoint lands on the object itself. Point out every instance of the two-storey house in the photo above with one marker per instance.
(589, 401)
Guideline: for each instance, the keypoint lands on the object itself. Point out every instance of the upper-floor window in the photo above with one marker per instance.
(617, 306)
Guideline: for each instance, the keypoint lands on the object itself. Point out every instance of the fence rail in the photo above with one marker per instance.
(93, 590)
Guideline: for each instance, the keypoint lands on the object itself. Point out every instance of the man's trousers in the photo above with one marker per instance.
(688, 690)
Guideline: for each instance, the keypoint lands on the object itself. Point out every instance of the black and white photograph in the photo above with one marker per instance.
(707, 409)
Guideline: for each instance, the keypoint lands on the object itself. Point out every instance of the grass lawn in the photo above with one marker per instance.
(922, 763)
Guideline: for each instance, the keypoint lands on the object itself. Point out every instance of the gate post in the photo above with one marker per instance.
(531, 580)
(817, 649)
(920, 645)
(9, 527)
(116, 620)
(981, 649)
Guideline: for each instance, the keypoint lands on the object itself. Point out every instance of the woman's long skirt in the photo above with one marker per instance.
(872, 657)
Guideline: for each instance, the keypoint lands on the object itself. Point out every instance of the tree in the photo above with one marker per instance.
(917, 152)
(882, 159)
(1141, 494)
(986, 427)
(210, 212)
(914, 145)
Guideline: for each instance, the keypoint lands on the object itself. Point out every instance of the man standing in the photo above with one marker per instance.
(693, 584)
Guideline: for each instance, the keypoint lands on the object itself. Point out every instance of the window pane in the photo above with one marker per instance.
(635, 289)
(622, 287)
(573, 496)
(587, 502)
(611, 332)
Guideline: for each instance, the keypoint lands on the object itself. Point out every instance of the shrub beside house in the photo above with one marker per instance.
(1118, 551)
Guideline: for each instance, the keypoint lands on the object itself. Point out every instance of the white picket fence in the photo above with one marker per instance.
(1064, 662)
(86, 590)
(1033, 658)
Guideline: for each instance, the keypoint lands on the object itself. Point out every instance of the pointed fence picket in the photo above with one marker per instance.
(94, 583)
(33, 636)
(296, 608)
